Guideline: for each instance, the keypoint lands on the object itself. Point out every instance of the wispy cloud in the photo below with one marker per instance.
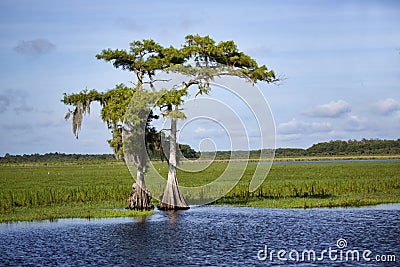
(356, 123)
(21, 127)
(15, 100)
(260, 50)
(190, 22)
(208, 132)
(130, 24)
(387, 106)
(4, 103)
(332, 109)
(297, 127)
(35, 47)
(200, 130)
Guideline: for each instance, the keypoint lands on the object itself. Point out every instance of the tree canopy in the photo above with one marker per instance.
(200, 58)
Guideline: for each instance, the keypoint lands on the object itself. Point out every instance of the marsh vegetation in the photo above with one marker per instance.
(89, 190)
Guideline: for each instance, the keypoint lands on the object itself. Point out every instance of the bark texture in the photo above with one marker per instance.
(172, 198)
(140, 197)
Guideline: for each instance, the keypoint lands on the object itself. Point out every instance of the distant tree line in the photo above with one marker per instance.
(55, 157)
(331, 148)
(354, 147)
(340, 148)
(186, 151)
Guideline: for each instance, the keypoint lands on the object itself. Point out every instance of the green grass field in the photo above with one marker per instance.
(47, 192)
(43, 192)
(322, 185)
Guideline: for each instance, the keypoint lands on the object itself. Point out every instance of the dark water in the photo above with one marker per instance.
(210, 236)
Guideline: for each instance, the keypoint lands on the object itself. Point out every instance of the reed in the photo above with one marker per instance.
(86, 210)
(321, 185)
(79, 189)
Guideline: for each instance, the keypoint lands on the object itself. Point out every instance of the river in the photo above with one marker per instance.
(212, 236)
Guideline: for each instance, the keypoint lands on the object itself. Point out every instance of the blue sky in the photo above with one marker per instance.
(341, 60)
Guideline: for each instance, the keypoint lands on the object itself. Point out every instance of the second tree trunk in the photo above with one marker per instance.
(172, 198)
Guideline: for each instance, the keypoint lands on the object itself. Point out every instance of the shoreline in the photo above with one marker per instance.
(82, 210)
(143, 214)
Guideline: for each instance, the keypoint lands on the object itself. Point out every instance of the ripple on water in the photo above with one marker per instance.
(201, 236)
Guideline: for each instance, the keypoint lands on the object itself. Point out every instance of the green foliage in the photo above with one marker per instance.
(352, 147)
(84, 96)
(56, 158)
(173, 97)
(290, 152)
(206, 53)
(147, 57)
(144, 58)
(140, 138)
(188, 152)
(114, 103)
(169, 101)
(81, 101)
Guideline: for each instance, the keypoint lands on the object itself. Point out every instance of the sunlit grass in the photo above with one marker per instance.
(87, 210)
(45, 192)
(321, 185)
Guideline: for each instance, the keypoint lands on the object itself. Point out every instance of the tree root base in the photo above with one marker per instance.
(140, 199)
(165, 206)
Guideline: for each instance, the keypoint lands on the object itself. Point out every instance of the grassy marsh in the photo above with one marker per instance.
(46, 192)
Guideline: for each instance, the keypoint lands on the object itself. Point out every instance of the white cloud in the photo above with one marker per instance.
(200, 130)
(337, 133)
(289, 137)
(331, 110)
(208, 132)
(297, 127)
(387, 106)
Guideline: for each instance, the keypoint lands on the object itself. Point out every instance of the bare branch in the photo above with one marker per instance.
(157, 80)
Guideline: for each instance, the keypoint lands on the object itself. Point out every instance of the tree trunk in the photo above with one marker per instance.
(134, 141)
(140, 197)
(172, 198)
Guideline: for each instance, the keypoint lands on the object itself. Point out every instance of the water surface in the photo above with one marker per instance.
(206, 236)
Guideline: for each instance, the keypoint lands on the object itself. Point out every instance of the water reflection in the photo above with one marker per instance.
(141, 219)
(173, 216)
